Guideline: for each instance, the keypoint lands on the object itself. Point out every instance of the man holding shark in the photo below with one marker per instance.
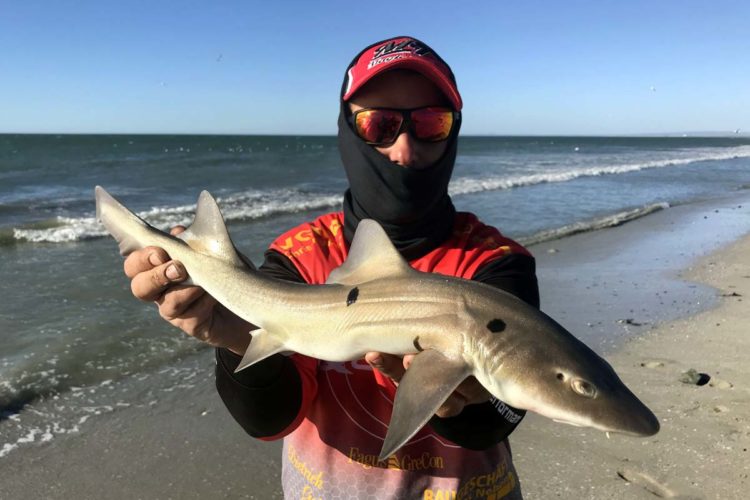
(398, 130)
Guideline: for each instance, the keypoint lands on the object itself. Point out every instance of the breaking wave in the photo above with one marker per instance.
(238, 207)
(252, 205)
(593, 224)
(468, 185)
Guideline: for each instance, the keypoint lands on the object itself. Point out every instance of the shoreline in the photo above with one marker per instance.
(182, 443)
(628, 279)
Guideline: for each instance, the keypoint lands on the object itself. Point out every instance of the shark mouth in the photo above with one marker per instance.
(568, 422)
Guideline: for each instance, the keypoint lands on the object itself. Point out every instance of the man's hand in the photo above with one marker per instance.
(155, 277)
(468, 392)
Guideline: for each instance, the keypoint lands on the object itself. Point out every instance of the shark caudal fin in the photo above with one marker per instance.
(208, 233)
(121, 223)
(371, 256)
(262, 345)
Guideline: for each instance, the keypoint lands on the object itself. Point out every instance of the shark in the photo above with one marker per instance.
(376, 302)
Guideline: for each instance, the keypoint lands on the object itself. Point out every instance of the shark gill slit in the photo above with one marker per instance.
(416, 344)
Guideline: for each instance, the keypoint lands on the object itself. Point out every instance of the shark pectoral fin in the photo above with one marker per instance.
(425, 386)
(371, 256)
(261, 346)
(208, 233)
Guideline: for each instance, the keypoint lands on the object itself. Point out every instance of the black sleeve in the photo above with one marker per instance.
(483, 425)
(515, 273)
(266, 397)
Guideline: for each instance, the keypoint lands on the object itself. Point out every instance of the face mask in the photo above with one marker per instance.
(411, 204)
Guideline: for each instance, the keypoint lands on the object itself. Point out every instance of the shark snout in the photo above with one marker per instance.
(622, 412)
(639, 420)
(602, 402)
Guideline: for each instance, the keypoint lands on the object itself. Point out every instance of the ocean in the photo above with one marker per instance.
(74, 344)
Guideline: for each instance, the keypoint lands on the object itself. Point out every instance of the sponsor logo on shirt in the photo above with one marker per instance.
(304, 240)
(420, 462)
(313, 480)
(509, 415)
(496, 484)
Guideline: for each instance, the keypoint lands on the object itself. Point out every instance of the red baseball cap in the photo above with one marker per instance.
(401, 52)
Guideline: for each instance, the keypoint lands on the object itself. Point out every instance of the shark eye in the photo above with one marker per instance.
(585, 389)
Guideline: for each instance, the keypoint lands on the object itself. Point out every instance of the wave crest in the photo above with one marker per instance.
(237, 207)
(468, 185)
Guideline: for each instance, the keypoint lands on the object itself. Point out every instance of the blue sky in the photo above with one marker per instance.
(555, 67)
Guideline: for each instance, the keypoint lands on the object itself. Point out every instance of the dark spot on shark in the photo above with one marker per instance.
(352, 297)
(416, 344)
(496, 325)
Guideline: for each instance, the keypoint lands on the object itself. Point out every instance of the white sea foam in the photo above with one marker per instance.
(7, 448)
(37, 434)
(237, 207)
(73, 412)
(44, 426)
(69, 229)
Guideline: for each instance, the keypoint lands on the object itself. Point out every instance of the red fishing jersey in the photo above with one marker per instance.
(331, 449)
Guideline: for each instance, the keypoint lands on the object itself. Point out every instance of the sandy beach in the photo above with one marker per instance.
(659, 296)
(702, 448)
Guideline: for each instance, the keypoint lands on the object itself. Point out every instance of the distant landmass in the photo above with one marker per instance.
(702, 133)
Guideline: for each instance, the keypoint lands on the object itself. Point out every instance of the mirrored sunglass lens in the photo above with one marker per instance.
(378, 125)
(432, 124)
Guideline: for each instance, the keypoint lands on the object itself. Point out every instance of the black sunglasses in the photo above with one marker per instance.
(382, 126)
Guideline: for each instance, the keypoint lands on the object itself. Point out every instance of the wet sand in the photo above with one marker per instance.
(610, 287)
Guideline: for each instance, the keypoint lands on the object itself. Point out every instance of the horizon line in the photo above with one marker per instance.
(685, 134)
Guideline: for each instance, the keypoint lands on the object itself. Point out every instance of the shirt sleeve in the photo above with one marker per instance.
(514, 273)
(481, 426)
(267, 399)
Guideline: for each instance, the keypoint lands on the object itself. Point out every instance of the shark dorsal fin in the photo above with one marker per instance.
(371, 256)
(208, 233)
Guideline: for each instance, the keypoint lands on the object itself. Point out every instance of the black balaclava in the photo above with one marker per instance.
(411, 204)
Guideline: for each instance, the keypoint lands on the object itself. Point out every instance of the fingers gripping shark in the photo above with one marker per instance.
(376, 302)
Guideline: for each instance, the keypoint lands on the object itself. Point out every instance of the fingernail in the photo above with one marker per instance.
(377, 361)
(172, 272)
(155, 259)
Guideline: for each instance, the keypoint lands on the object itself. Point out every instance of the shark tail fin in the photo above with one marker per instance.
(208, 233)
(261, 346)
(119, 221)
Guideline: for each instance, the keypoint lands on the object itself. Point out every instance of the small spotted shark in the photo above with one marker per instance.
(376, 302)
